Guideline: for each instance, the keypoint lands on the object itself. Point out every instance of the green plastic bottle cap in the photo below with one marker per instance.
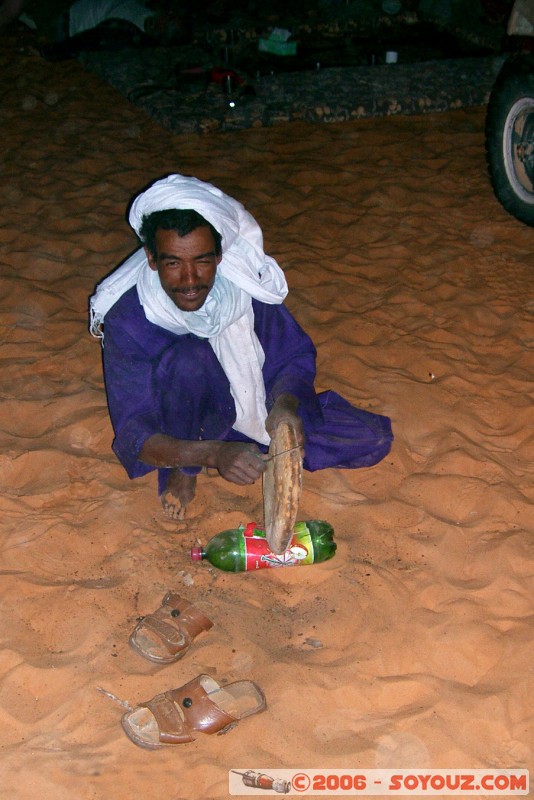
(196, 554)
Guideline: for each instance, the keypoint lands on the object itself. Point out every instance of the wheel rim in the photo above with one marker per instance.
(518, 148)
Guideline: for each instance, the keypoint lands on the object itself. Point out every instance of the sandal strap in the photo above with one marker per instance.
(176, 623)
(200, 713)
(187, 616)
(172, 728)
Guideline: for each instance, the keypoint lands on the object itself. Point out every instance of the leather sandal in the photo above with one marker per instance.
(167, 634)
(201, 705)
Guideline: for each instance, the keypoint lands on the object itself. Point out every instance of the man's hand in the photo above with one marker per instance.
(285, 410)
(240, 462)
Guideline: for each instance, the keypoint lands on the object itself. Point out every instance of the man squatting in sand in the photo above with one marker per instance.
(201, 358)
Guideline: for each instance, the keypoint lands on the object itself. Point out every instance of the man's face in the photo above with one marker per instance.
(186, 266)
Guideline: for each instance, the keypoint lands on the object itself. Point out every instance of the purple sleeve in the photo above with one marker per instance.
(289, 358)
(132, 401)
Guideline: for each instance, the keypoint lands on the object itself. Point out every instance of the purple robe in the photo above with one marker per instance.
(158, 382)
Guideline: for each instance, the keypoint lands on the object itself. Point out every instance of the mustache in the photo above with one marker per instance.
(185, 289)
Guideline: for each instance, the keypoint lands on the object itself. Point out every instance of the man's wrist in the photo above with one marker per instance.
(287, 402)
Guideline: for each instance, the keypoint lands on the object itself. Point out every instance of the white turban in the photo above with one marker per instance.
(227, 317)
(244, 262)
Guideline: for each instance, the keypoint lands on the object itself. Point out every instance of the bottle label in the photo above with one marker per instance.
(258, 555)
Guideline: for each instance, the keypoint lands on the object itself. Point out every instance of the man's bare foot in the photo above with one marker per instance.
(178, 494)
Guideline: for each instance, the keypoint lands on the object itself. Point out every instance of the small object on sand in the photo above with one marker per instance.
(122, 703)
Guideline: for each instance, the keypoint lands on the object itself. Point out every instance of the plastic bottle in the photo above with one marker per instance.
(245, 549)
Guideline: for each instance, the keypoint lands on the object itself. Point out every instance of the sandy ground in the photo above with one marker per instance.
(413, 646)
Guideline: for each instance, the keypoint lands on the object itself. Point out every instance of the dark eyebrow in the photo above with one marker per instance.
(169, 257)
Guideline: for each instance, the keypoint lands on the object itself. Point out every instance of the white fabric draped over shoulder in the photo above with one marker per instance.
(227, 317)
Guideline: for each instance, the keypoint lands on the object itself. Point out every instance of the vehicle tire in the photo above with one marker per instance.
(510, 138)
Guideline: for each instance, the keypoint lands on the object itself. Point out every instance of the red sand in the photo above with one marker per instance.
(417, 289)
